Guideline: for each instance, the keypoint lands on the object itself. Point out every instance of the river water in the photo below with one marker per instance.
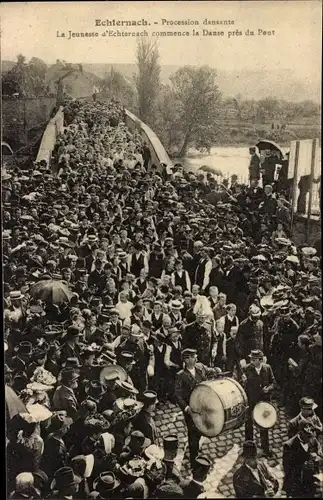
(229, 160)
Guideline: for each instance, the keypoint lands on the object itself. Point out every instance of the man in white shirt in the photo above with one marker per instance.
(180, 276)
(202, 273)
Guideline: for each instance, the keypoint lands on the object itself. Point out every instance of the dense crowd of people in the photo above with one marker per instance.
(126, 284)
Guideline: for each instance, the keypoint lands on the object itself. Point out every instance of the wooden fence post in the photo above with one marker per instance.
(294, 183)
(309, 208)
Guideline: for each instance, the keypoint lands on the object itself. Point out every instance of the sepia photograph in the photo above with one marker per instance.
(161, 249)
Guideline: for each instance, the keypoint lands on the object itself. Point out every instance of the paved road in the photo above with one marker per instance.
(223, 449)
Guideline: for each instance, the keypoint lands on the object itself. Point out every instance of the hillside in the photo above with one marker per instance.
(249, 84)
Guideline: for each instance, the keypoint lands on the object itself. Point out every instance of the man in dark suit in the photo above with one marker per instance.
(144, 421)
(186, 380)
(64, 397)
(197, 336)
(70, 348)
(259, 382)
(55, 451)
(253, 479)
(192, 488)
(250, 333)
(301, 457)
(254, 165)
(307, 414)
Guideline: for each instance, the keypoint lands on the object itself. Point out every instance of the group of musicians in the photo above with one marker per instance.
(302, 454)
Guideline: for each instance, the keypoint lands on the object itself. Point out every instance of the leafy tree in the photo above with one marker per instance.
(199, 98)
(167, 119)
(25, 79)
(147, 79)
(114, 84)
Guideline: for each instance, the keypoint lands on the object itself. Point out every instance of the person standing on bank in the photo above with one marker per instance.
(259, 382)
(254, 165)
(186, 380)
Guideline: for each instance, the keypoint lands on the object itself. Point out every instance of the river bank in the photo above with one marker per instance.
(234, 134)
(227, 159)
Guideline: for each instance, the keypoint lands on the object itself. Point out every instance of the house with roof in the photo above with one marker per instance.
(72, 80)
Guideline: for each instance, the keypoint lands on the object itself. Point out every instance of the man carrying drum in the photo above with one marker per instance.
(186, 380)
(259, 381)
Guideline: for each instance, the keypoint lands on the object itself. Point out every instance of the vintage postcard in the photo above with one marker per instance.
(161, 248)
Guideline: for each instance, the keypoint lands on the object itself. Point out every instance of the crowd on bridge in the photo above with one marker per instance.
(126, 284)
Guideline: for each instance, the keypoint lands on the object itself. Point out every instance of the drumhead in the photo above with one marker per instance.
(207, 410)
(265, 415)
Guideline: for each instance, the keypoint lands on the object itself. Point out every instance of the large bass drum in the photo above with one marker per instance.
(218, 406)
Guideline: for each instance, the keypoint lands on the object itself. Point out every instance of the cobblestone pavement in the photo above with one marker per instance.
(223, 449)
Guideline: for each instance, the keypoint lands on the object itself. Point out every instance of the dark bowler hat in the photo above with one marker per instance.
(73, 331)
(249, 449)
(187, 353)
(41, 478)
(106, 482)
(59, 422)
(104, 317)
(69, 374)
(63, 478)
(137, 437)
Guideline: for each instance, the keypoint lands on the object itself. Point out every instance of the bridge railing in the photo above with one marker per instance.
(54, 127)
(158, 152)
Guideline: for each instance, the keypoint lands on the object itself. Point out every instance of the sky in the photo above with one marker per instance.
(31, 29)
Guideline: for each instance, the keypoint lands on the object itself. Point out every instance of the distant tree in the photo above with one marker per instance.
(147, 79)
(199, 98)
(25, 79)
(36, 73)
(114, 84)
(167, 119)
